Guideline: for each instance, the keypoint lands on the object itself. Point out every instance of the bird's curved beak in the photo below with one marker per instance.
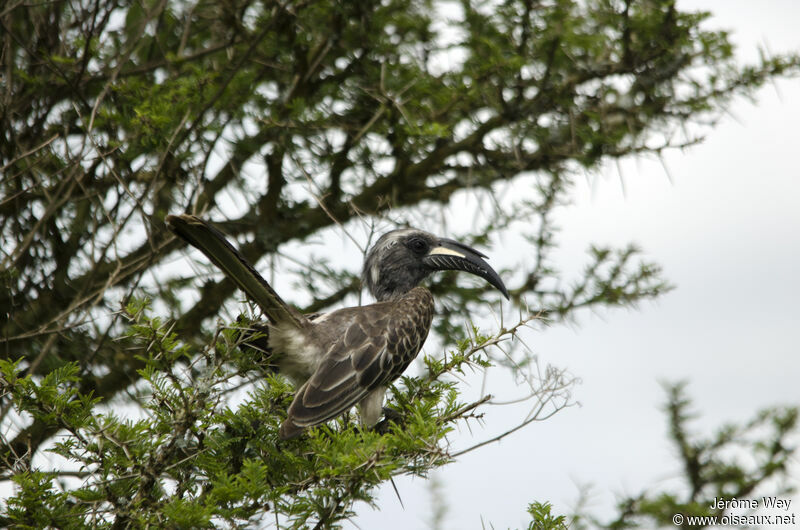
(449, 255)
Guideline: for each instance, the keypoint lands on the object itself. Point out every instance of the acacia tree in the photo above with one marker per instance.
(287, 123)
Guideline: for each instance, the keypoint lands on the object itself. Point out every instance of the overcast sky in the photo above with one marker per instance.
(725, 229)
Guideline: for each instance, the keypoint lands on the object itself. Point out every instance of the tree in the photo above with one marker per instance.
(288, 122)
(742, 462)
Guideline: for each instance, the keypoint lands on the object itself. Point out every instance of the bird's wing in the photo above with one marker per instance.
(374, 349)
(216, 247)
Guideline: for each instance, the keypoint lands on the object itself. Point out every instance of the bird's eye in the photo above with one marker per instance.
(417, 245)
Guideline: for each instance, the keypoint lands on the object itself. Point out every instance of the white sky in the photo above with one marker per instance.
(725, 229)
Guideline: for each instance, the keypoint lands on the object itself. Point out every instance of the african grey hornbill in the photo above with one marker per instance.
(348, 356)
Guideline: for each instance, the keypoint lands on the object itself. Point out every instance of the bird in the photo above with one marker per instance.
(348, 356)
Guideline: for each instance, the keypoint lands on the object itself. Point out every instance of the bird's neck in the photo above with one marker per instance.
(389, 295)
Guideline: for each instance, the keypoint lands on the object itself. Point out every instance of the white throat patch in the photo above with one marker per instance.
(375, 273)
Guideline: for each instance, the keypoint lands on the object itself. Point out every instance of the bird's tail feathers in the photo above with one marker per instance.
(219, 250)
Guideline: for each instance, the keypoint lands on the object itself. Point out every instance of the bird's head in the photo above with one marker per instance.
(401, 259)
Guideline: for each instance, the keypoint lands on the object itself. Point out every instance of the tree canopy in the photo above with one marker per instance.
(288, 123)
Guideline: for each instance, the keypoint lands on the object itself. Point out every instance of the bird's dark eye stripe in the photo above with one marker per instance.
(417, 245)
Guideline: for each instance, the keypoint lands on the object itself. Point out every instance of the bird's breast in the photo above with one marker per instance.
(413, 314)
